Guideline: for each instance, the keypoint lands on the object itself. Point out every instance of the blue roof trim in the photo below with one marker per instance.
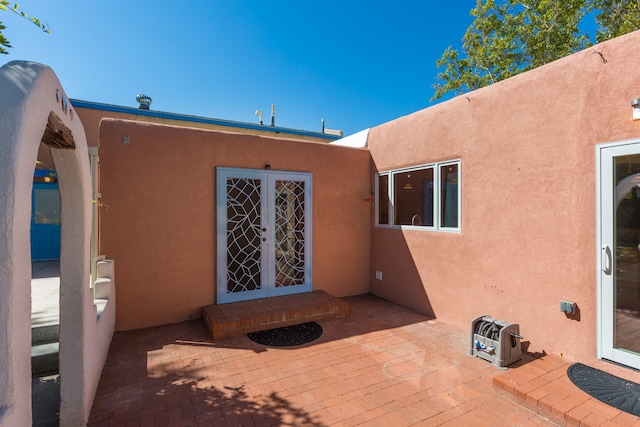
(77, 103)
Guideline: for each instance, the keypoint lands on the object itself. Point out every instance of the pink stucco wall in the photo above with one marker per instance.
(158, 215)
(528, 230)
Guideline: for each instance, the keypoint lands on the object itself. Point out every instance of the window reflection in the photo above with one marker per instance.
(47, 206)
(449, 196)
(413, 197)
(627, 259)
(424, 196)
(383, 199)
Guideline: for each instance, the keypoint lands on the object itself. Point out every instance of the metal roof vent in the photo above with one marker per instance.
(143, 101)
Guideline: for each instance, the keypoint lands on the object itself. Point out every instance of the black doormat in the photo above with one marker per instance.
(607, 388)
(288, 336)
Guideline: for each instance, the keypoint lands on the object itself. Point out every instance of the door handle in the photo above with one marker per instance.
(607, 261)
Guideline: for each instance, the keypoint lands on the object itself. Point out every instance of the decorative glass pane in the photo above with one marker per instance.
(289, 233)
(413, 197)
(449, 196)
(243, 235)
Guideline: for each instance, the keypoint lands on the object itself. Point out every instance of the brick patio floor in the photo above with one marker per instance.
(383, 365)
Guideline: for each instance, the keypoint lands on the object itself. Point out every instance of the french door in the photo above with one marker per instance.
(619, 252)
(263, 234)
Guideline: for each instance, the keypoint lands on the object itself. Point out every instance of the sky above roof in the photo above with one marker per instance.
(355, 64)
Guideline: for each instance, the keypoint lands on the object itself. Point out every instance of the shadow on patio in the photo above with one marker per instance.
(180, 401)
(383, 365)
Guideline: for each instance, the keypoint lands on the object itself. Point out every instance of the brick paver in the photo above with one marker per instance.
(550, 392)
(383, 365)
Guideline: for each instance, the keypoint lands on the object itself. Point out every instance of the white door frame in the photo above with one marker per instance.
(267, 252)
(606, 252)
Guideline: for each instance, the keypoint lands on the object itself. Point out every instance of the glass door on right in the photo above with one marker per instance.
(619, 235)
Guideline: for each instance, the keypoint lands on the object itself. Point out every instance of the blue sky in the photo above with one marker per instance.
(355, 64)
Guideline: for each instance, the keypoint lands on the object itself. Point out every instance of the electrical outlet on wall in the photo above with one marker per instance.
(568, 307)
(378, 275)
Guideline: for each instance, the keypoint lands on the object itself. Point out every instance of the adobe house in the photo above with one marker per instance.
(498, 202)
(515, 200)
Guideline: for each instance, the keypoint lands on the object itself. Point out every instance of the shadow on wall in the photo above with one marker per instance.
(394, 274)
(401, 282)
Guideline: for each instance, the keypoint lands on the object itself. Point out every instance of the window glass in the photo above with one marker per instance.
(449, 196)
(413, 197)
(424, 196)
(47, 206)
(383, 199)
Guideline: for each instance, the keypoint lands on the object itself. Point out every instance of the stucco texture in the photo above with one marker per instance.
(528, 229)
(30, 94)
(158, 213)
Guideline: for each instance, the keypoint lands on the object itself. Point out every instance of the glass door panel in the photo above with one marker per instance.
(619, 253)
(290, 209)
(244, 235)
(241, 243)
(264, 234)
(626, 266)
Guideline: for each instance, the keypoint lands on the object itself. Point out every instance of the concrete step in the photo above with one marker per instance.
(44, 358)
(45, 333)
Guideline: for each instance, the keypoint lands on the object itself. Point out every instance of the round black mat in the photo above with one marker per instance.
(607, 388)
(288, 336)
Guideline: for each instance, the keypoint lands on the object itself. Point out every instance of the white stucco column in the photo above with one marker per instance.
(19, 141)
(29, 93)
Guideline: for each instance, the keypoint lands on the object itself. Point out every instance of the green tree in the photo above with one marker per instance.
(6, 6)
(509, 37)
(616, 18)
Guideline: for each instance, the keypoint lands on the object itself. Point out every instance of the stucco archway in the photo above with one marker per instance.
(31, 98)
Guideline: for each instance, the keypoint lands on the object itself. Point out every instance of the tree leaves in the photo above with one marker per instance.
(616, 18)
(508, 37)
(6, 6)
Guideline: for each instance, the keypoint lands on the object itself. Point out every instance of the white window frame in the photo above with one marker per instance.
(436, 196)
